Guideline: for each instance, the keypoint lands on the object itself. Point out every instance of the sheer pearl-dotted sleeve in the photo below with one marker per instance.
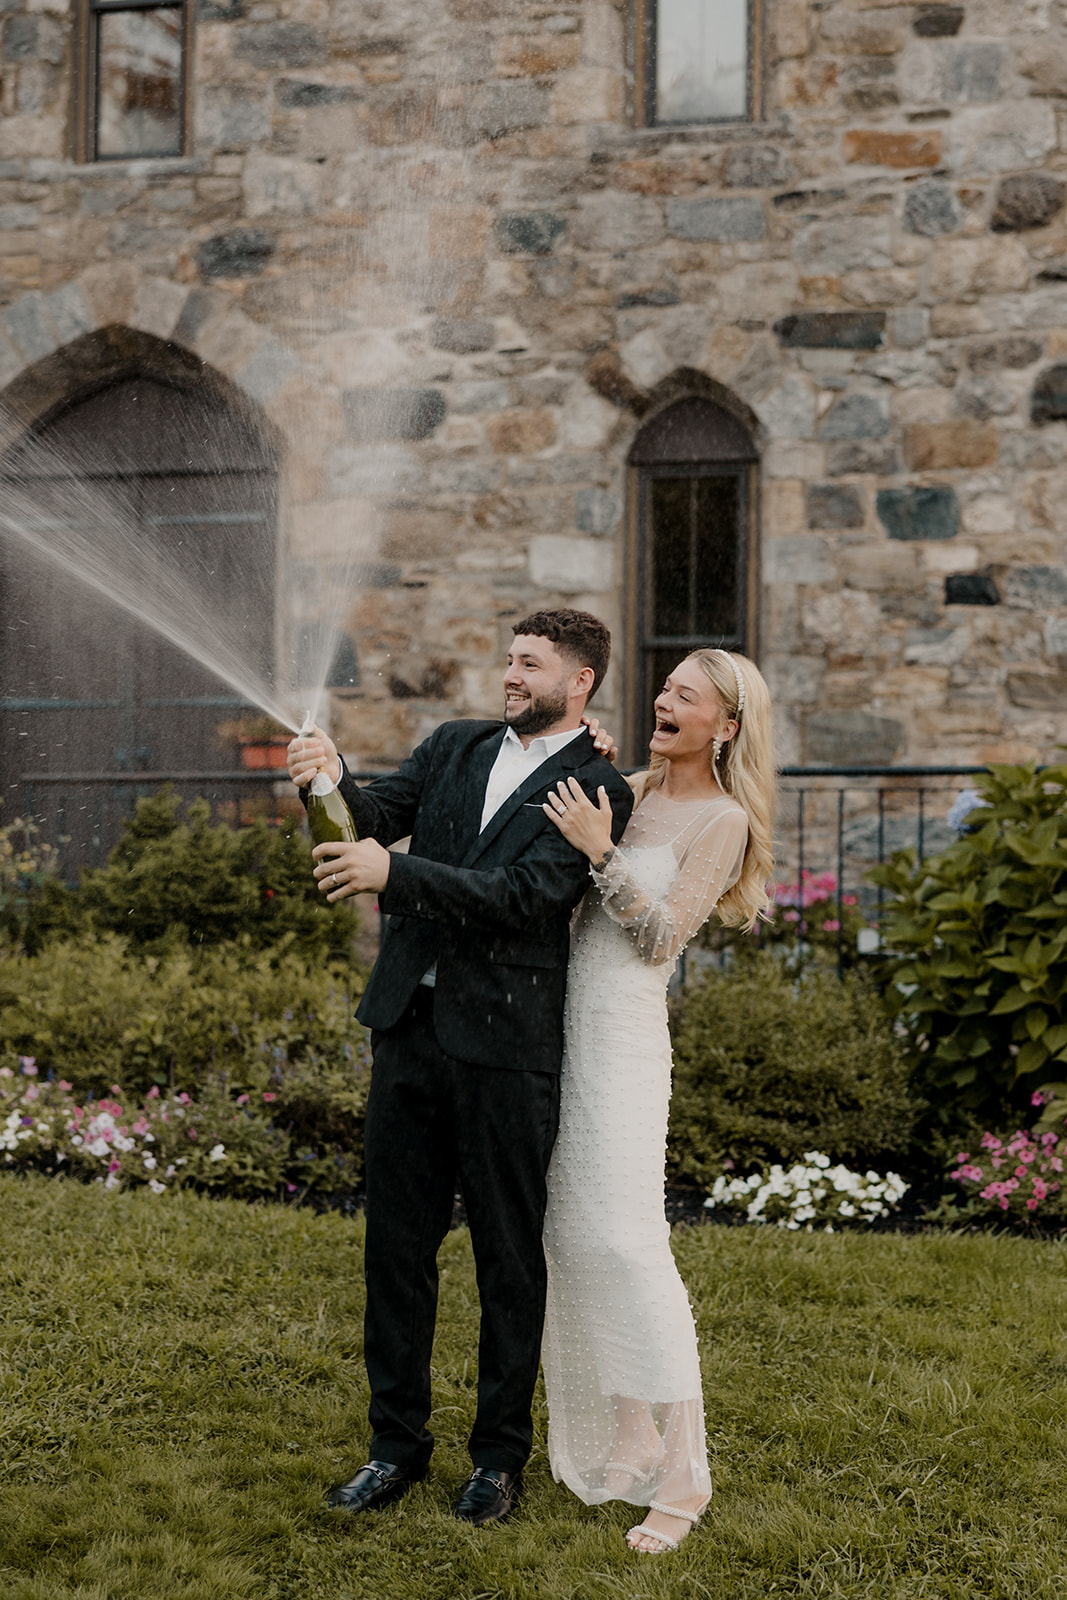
(711, 864)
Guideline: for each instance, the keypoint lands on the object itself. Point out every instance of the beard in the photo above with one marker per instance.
(538, 713)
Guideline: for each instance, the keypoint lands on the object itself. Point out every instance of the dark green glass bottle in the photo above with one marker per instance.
(329, 819)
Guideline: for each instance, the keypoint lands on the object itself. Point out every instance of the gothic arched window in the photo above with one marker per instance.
(89, 696)
(693, 576)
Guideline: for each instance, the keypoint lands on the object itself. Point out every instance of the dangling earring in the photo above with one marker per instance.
(716, 751)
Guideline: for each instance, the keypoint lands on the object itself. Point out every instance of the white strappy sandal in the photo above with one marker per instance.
(664, 1541)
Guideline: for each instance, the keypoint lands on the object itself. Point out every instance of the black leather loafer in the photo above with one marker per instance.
(373, 1486)
(489, 1495)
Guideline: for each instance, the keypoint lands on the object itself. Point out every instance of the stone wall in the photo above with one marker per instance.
(428, 242)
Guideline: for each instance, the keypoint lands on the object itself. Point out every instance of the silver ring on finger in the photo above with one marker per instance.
(333, 879)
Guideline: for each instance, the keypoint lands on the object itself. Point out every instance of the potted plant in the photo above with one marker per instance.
(262, 739)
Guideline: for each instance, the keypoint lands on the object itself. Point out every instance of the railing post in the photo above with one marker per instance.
(801, 924)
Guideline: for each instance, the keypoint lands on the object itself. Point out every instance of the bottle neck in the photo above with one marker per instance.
(322, 784)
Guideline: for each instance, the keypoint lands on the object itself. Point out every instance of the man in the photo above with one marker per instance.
(465, 1005)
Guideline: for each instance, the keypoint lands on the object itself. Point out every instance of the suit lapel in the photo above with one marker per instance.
(571, 757)
(479, 765)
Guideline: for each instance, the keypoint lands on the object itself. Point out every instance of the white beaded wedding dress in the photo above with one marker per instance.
(626, 1418)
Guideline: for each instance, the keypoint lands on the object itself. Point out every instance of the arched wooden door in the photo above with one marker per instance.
(89, 696)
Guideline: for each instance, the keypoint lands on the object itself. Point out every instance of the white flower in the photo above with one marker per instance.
(98, 1147)
(112, 1181)
(155, 1186)
(217, 1152)
(846, 1210)
(150, 1163)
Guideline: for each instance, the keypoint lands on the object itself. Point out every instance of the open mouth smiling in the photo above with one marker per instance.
(663, 726)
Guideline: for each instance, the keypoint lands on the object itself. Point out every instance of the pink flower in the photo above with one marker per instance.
(268, 1096)
(116, 1088)
(1031, 1205)
(185, 1099)
(140, 1127)
(191, 1132)
(28, 1065)
(32, 1092)
(1020, 1172)
(65, 1086)
(1003, 1205)
(113, 1166)
(964, 1155)
(1039, 1099)
(832, 926)
(242, 1099)
(153, 1093)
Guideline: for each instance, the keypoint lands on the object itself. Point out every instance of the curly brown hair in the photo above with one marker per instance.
(578, 635)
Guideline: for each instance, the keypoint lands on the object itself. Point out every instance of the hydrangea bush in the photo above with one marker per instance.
(812, 1194)
(977, 974)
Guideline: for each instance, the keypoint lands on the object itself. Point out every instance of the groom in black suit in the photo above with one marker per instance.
(465, 1005)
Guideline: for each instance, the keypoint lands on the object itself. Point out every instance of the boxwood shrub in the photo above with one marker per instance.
(768, 1067)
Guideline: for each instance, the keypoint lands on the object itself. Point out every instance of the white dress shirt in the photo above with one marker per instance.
(514, 763)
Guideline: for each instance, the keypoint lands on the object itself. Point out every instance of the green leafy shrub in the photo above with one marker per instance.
(979, 932)
(768, 1067)
(96, 1011)
(27, 865)
(171, 880)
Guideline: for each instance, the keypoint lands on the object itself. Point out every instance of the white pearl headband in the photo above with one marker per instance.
(737, 678)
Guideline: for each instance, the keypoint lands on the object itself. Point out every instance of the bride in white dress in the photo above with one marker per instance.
(626, 1418)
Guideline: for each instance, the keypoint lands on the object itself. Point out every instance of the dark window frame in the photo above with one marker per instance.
(733, 455)
(86, 100)
(644, 61)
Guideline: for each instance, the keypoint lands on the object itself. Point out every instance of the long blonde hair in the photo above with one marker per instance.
(745, 770)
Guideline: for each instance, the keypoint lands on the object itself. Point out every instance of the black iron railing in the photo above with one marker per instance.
(837, 823)
(834, 823)
(80, 814)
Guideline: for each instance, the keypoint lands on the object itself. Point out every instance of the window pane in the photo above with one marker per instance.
(701, 60)
(669, 512)
(717, 548)
(139, 55)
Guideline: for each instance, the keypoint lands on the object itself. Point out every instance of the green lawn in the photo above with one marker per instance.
(180, 1380)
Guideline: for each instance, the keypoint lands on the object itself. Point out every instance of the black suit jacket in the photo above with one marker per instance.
(491, 908)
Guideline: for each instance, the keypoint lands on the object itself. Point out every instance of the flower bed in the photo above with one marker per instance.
(1019, 1173)
(812, 1194)
(249, 1145)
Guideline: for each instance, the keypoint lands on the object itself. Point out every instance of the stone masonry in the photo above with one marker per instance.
(428, 243)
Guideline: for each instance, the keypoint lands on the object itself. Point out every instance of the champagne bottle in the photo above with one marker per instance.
(329, 818)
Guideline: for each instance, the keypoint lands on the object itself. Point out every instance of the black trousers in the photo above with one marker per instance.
(431, 1118)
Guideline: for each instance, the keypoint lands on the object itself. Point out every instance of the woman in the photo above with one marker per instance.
(626, 1419)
